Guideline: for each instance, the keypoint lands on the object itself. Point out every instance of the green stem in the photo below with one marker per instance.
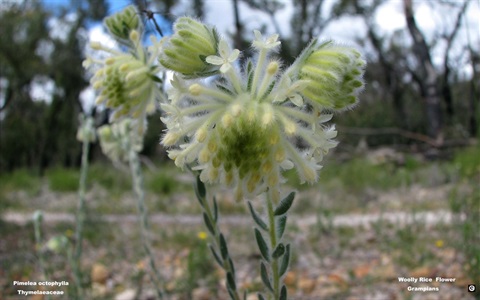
(273, 243)
(235, 80)
(226, 265)
(38, 241)
(138, 183)
(261, 61)
(80, 219)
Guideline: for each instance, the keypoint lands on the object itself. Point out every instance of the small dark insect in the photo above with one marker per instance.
(150, 15)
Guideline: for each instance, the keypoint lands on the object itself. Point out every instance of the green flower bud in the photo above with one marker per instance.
(86, 131)
(334, 74)
(117, 139)
(122, 23)
(185, 52)
(37, 216)
(57, 243)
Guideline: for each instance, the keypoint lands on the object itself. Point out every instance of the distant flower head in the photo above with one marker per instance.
(122, 23)
(117, 139)
(245, 130)
(86, 129)
(127, 82)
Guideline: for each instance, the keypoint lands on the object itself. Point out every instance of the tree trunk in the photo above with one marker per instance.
(428, 75)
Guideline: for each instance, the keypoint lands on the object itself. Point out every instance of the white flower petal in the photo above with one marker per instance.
(223, 48)
(225, 68)
(296, 99)
(214, 60)
(234, 55)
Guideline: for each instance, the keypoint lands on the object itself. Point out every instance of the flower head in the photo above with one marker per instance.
(117, 139)
(245, 131)
(86, 129)
(122, 23)
(127, 82)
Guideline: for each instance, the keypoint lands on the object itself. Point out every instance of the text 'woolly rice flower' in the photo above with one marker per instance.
(246, 129)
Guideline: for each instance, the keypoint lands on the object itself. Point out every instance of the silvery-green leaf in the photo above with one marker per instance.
(223, 247)
(257, 218)
(285, 204)
(285, 260)
(265, 278)
(283, 293)
(281, 223)
(209, 224)
(231, 281)
(215, 255)
(262, 245)
(279, 251)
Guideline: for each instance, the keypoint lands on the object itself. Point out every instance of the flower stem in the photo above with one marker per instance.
(273, 241)
(235, 80)
(37, 223)
(261, 61)
(80, 218)
(218, 239)
(138, 183)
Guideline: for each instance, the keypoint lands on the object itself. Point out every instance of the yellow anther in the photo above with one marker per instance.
(204, 156)
(272, 68)
(195, 89)
(201, 134)
(227, 120)
(280, 155)
(212, 146)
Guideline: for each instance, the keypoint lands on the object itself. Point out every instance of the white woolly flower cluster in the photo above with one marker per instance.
(127, 81)
(246, 128)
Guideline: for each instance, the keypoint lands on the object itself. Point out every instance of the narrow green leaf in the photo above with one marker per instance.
(225, 89)
(279, 251)
(231, 293)
(200, 191)
(265, 278)
(260, 297)
(215, 255)
(285, 204)
(249, 67)
(285, 261)
(209, 224)
(232, 267)
(281, 223)
(231, 281)
(257, 218)
(262, 245)
(156, 79)
(245, 294)
(215, 210)
(249, 81)
(269, 90)
(223, 247)
(203, 58)
(283, 293)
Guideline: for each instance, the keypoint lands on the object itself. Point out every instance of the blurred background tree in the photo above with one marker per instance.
(40, 47)
(417, 96)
